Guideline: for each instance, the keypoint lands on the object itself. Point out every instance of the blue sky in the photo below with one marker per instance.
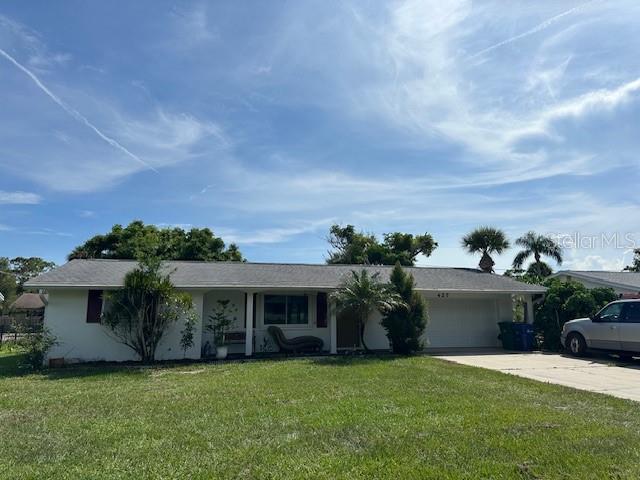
(268, 121)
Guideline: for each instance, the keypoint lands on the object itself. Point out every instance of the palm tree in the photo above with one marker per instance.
(537, 245)
(362, 293)
(486, 240)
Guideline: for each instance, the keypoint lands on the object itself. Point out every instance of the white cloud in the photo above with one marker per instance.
(604, 99)
(191, 27)
(538, 28)
(117, 141)
(595, 262)
(26, 198)
(73, 112)
(273, 235)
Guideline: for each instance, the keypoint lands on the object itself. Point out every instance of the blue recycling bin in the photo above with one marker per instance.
(517, 336)
(524, 337)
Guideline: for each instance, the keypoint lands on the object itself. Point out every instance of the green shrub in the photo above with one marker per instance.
(405, 323)
(36, 346)
(566, 301)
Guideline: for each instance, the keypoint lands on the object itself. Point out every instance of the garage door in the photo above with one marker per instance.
(462, 323)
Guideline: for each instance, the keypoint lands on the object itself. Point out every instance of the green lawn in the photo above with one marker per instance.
(324, 418)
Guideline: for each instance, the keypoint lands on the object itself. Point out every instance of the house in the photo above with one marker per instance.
(625, 284)
(33, 303)
(465, 305)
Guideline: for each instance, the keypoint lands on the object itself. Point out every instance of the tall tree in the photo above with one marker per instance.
(635, 266)
(25, 268)
(537, 245)
(486, 240)
(353, 247)
(140, 314)
(363, 294)
(137, 239)
(406, 322)
(8, 284)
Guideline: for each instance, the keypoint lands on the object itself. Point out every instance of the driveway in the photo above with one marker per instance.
(594, 374)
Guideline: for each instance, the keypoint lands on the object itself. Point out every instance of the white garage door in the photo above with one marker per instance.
(462, 323)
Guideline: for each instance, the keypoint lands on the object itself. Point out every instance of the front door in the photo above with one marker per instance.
(347, 330)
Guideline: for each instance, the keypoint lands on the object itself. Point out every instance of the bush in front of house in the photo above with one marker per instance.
(566, 301)
(141, 313)
(405, 322)
(36, 346)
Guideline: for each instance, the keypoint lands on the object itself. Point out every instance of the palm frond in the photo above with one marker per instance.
(521, 257)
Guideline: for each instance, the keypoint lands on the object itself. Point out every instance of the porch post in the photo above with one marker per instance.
(248, 342)
(529, 309)
(333, 327)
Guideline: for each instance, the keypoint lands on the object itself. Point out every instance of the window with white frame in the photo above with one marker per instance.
(286, 310)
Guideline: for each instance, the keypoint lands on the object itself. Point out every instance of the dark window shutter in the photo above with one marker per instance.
(321, 310)
(94, 306)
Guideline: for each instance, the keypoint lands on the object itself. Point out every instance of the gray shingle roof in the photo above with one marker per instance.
(30, 301)
(110, 273)
(623, 279)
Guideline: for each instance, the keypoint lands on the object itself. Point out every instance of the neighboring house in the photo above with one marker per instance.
(464, 305)
(623, 283)
(30, 302)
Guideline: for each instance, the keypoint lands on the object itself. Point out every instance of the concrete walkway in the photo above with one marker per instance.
(594, 374)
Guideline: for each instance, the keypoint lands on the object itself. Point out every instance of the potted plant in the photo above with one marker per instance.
(220, 320)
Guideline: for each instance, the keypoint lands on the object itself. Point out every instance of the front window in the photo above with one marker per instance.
(611, 313)
(286, 310)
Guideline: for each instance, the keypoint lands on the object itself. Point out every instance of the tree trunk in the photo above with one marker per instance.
(486, 263)
(362, 325)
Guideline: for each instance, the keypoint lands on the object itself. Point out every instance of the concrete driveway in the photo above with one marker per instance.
(594, 374)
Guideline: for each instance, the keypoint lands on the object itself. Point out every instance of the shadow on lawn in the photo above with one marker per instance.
(349, 360)
(13, 364)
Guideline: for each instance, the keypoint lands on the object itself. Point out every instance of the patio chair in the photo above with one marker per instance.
(295, 344)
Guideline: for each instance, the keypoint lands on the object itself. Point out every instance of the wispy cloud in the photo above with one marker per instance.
(274, 235)
(26, 198)
(538, 28)
(365, 114)
(74, 113)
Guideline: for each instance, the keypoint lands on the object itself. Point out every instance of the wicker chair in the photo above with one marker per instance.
(296, 344)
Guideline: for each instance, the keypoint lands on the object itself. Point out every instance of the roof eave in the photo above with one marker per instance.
(289, 287)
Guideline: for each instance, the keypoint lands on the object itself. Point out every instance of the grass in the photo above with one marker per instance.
(308, 418)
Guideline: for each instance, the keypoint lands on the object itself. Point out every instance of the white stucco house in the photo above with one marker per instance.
(465, 306)
(623, 283)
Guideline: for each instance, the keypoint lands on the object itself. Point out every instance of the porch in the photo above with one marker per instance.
(252, 312)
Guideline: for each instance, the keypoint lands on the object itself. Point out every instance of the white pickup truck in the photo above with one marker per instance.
(615, 328)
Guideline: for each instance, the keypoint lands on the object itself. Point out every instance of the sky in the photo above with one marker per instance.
(269, 121)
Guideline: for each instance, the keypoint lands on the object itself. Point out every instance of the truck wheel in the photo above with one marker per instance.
(576, 344)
